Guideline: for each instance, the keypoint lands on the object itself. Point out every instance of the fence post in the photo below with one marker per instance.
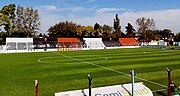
(132, 78)
(89, 79)
(36, 87)
(169, 81)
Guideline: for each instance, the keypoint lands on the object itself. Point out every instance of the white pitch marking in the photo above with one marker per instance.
(159, 90)
(41, 59)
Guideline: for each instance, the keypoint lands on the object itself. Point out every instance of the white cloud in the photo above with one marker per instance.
(99, 18)
(55, 8)
(163, 18)
(73, 9)
(87, 1)
(50, 7)
(103, 10)
(47, 21)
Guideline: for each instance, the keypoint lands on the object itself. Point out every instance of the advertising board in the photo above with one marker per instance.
(117, 90)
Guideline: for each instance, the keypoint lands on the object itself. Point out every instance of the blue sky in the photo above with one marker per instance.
(166, 13)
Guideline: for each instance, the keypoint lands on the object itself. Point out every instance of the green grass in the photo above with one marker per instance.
(62, 71)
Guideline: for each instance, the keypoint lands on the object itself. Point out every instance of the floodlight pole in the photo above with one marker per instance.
(90, 79)
(36, 87)
(169, 81)
(132, 78)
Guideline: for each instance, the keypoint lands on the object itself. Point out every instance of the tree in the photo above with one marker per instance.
(97, 29)
(85, 31)
(3, 36)
(7, 18)
(64, 29)
(40, 35)
(177, 37)
(166, 34)
(145, 24)
(106, 31)
(150, 35)
(117, 27)
(27, 21)
(89, 31)
(130, 30)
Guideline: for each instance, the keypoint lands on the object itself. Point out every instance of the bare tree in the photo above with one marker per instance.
(145, 24)
(28, 20)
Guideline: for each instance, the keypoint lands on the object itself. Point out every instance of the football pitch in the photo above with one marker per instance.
(64, 71)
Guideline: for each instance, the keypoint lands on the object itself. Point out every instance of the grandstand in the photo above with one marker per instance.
(19, 43)
(94, 43)
(69, 44)
(128, 42)
(41, 43)
(64, 44)
(110, 42)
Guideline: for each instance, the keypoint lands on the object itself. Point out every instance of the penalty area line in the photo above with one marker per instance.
(111, 70)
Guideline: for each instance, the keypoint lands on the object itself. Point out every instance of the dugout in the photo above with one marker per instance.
(69, 43)
(19, 43)
(42, 43)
